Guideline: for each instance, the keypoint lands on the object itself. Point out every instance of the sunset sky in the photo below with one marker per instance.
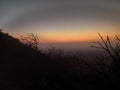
(58, 21)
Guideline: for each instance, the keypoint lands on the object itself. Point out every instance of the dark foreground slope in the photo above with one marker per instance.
(24, 68)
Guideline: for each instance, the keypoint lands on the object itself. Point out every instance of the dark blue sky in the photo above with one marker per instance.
(52, 19)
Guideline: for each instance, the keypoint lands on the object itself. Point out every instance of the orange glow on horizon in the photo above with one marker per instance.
(68, 39)
(71, 36)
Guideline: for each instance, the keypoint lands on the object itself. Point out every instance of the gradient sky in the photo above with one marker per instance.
(61, 20)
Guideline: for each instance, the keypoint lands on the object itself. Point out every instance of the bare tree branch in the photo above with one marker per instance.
(31, 40)
(113, 50)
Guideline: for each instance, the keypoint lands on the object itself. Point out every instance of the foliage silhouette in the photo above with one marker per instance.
(31, 40)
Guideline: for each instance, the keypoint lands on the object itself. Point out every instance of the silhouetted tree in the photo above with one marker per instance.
(52, 51)
(113, 50)
(31, 40)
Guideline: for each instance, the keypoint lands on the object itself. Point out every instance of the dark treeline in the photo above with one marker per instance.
(24, 67)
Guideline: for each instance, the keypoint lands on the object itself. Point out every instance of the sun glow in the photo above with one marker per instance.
(71, 35)
(74, 36)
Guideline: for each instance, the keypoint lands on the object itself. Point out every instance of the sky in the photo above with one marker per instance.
(61, 21)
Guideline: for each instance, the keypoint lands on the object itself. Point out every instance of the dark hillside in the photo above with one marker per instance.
(16, 58)
(24, 68)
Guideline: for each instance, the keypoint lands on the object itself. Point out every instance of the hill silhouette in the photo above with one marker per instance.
(16, 59)
(23, 68)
